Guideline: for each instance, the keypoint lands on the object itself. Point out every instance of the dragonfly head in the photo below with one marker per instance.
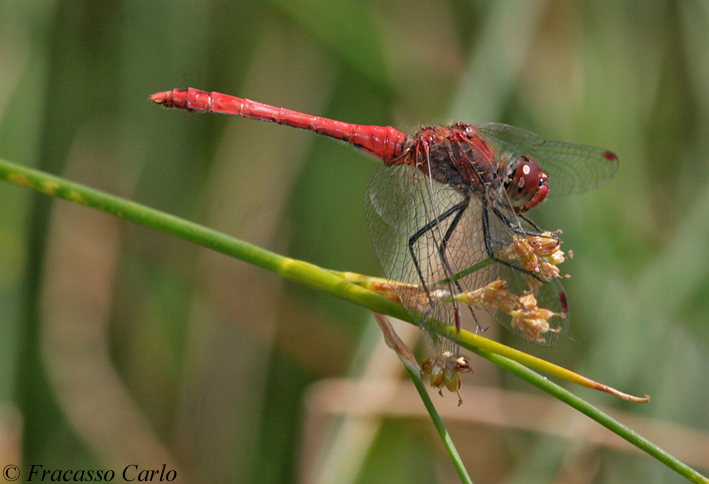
(527, 185)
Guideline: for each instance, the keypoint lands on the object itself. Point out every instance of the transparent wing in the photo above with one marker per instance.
(409, 216)
(549, 296)
(571, 168)
(400, 203)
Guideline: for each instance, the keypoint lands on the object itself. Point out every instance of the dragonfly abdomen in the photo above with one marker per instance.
(383, 142)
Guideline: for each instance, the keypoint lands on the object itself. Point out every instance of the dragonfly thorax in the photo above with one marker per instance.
(455, 156)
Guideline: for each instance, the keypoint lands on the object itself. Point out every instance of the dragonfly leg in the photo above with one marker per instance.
(458, 210)
(420, 233)
(462, 207)
(526, 219)
(516, 228)
(488, 246)
(513, 226)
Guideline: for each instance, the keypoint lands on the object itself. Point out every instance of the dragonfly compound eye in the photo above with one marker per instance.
(527, 186)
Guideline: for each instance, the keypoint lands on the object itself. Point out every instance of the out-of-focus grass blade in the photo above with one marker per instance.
(346, 27)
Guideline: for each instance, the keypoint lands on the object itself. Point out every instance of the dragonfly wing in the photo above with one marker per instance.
(549, 295)
(572, 168)
(410, 215)
(507, 235)
(404, 211)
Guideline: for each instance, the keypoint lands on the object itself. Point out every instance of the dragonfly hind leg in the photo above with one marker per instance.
(458, 210)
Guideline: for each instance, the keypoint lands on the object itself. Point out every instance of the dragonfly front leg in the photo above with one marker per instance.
(516, 228)
(488, 243)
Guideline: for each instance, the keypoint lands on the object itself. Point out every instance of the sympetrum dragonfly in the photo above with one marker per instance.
(446, 216)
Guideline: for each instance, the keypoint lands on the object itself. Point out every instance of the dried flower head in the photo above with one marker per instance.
(531, 320)
(538, 254)
(492, 296)
(444, 371)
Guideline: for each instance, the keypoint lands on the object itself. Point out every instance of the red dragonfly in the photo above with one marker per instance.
(446, 213)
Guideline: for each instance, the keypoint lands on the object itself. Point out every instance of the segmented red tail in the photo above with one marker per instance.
(383, 142)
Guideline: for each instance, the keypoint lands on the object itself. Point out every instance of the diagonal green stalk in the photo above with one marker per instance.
(438, 423)
(476, 267)
(589, 410)
(317, 278)
(414, 371)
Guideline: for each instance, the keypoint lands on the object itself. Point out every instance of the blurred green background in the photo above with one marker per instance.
(120, 346)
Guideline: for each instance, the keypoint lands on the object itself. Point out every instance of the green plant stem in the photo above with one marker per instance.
(412, 367)
(589, 410)
(442, 431)
(312, 276)
(291, 269)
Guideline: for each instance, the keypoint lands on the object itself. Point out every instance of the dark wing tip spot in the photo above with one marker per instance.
(564, 302)
(609, 155)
